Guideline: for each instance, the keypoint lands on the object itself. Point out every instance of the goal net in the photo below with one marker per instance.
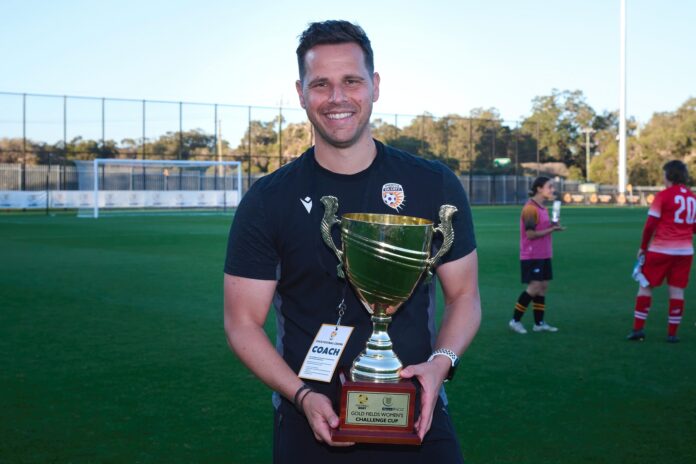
(124, 186)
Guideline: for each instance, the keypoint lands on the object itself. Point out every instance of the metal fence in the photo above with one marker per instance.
(481, 189)
(41, 137)
(66, 177)
(55, 129)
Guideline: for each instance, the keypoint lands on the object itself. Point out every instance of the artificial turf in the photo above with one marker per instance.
(114, 350)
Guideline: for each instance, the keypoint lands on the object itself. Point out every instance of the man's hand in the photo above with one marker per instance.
(641, 252)
(321, 417)
(430, 375)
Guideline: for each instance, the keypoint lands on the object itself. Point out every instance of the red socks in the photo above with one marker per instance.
(676, 309)
(641, 312)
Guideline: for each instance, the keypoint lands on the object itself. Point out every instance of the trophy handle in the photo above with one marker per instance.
(445, 228)
(330, 207)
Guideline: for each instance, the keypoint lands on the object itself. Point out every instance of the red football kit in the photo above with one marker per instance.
(670, 224)
(667, 237)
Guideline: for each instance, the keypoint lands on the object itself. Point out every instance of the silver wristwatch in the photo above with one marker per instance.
(454, 359)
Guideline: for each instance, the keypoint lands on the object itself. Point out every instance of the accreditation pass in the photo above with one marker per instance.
(324, 353)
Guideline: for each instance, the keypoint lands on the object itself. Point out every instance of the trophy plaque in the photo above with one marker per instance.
(383, 256)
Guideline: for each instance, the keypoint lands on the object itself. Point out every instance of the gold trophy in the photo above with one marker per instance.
(384, 257)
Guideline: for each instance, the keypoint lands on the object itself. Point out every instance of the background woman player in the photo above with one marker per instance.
(536, 251)
(668, 249)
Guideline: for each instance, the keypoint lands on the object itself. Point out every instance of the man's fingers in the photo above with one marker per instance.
(429, 376)
(423, 425)
(412, 371)
(323, 434)
(426, 417)
(322, 419)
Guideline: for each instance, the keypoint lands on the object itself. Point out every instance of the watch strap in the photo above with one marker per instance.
(445, 352)
(454, 359)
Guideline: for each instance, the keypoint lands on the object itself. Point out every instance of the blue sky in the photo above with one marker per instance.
(439, 56)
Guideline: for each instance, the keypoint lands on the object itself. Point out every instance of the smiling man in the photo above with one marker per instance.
(276, 255)
(337, 89)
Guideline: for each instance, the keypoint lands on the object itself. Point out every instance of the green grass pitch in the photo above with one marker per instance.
(113, 349)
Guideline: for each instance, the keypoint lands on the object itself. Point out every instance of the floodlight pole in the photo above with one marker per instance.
(622, 103)
(587, 131)
(23, 179)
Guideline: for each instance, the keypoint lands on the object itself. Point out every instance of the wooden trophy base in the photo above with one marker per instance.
(373, 412)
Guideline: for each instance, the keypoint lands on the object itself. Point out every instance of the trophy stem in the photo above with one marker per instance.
(377, 362)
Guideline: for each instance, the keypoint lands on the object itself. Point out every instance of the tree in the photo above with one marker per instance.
(12, 151)
(667, 136)
(264, 144)
(489, 137)
(604, 166)
(81, 149)
(381, 130)
(192, 144)
(297, 138)
(560, 118)
(460, 142)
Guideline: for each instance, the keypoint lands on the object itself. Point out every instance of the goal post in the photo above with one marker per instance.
(127, 186)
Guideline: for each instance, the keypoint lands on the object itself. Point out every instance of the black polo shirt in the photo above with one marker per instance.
(276, 236)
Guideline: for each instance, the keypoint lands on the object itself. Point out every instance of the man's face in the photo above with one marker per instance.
(337, 91)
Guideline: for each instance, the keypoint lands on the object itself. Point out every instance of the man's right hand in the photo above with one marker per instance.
(321, 417)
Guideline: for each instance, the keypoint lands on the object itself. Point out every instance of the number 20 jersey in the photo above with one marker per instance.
(675, 207)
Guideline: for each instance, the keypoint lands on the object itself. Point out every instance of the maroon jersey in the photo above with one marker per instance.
(675, 209)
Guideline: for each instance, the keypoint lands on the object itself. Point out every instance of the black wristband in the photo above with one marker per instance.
(296, 399)
(304, 397)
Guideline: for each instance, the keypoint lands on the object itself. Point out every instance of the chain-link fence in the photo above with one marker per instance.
(41, 137)
(481, 189)
(40, 129)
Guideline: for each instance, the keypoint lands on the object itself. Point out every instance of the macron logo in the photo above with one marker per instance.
(307, 203)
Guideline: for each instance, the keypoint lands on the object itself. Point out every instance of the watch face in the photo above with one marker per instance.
(453, 369)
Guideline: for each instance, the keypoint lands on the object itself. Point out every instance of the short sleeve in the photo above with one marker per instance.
(462, 222)
(251, 250)
(530, 217)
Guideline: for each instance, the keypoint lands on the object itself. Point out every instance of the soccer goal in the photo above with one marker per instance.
(125, 186)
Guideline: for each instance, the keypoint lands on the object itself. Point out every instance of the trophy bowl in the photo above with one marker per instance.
(384, 257)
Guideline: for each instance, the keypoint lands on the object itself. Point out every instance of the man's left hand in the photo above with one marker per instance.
(430, 375)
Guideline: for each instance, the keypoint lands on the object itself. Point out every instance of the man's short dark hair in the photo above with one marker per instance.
(334, 32)
(676, 172)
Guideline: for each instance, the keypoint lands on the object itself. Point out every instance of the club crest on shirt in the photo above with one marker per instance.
(393, 196)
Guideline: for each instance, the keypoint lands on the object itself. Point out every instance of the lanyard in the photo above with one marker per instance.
(315, 171)
(342, 305)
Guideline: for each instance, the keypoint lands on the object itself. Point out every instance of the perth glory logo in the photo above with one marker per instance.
(393, 195)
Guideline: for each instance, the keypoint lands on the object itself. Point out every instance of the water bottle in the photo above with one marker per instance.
(637, 273)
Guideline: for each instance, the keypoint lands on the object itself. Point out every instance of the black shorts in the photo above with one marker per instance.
(535, 269)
